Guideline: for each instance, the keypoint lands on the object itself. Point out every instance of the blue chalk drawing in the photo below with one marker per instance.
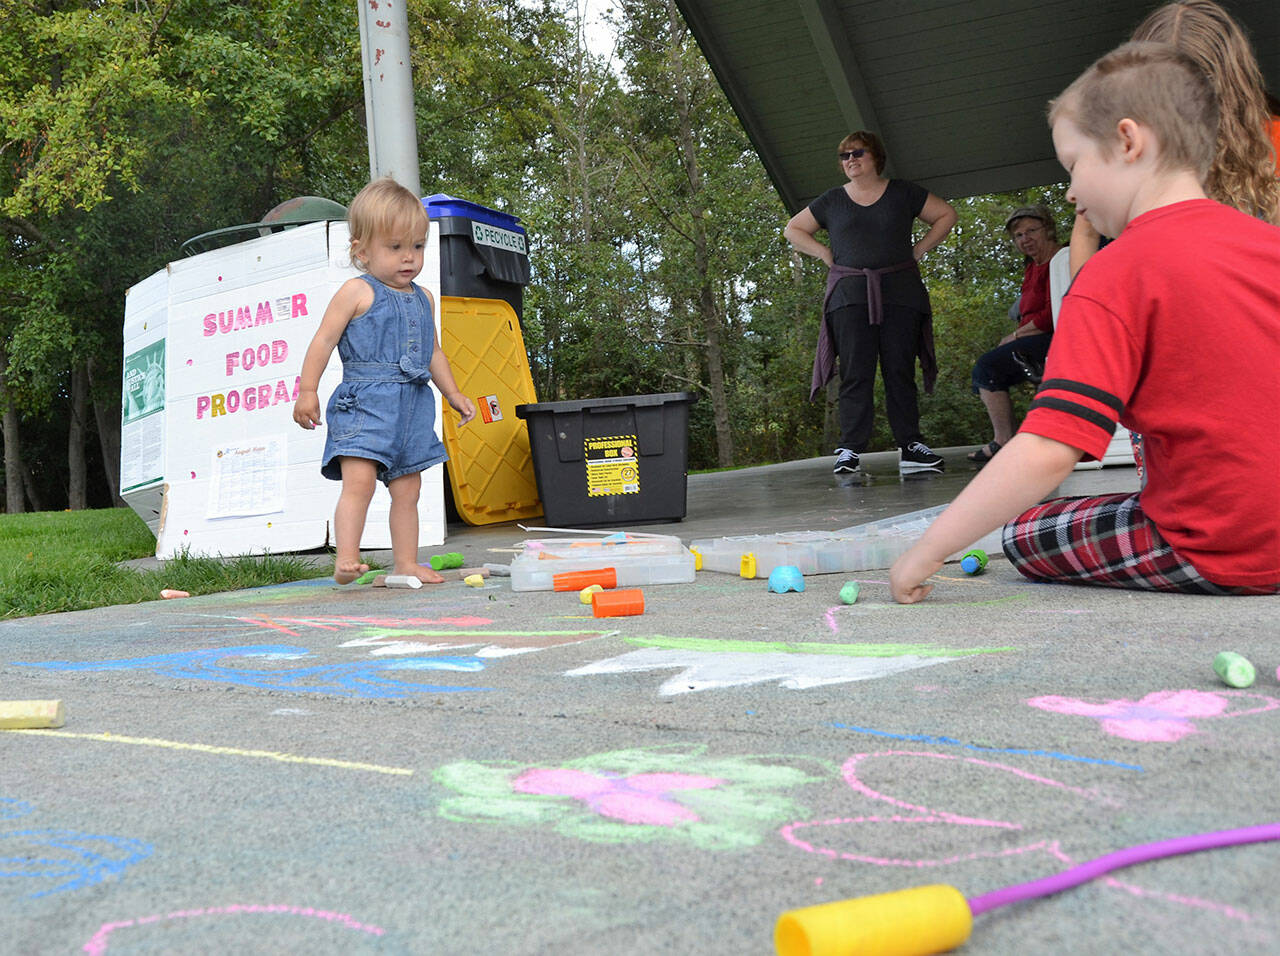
(952, 742)
(78, 859)
(358, 679)
(11, 808)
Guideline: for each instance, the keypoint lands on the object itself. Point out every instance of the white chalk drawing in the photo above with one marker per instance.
(714, 664)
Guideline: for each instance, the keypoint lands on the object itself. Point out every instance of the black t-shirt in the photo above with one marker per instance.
(873, 237)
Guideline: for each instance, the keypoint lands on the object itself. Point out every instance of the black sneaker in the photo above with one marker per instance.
(846, 462)
(918, 456)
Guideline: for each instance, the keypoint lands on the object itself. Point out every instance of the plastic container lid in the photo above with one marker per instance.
(441, 206)
(587, 404)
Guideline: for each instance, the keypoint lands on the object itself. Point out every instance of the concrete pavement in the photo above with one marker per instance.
(309, 768)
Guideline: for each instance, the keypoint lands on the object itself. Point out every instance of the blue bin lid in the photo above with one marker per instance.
(440, 206)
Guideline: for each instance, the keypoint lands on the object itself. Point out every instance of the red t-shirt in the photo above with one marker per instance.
(1173, 329)
(1035, 306)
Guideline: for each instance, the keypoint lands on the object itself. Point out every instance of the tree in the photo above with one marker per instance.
(130, 126)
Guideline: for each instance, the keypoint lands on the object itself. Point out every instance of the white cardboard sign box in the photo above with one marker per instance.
(210, 455)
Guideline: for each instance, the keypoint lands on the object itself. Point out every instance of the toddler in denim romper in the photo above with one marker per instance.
(381, 419)
(384, 409)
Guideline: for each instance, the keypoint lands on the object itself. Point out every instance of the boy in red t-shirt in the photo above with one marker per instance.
(1172, 330)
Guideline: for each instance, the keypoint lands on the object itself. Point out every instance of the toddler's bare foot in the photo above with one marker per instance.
(422, 572)
(344, 572)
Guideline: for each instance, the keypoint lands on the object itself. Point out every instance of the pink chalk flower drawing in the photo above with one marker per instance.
(1164, 716)
(631, 796)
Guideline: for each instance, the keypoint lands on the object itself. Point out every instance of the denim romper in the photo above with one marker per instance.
(385, 410)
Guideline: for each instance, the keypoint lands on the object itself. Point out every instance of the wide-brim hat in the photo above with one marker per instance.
(1029, 212)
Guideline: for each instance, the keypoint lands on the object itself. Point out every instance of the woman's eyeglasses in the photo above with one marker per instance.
(851, 154)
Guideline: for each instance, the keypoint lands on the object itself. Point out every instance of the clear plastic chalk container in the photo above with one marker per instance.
(865, 547)
(637, 560)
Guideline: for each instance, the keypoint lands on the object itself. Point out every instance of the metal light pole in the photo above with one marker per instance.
(388, 91)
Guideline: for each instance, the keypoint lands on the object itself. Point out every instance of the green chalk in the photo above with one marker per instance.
(849, 593)
(368, 576)
(1234, 669)
(440, 562)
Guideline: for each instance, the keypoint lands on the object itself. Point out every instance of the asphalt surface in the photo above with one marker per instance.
(308, 768)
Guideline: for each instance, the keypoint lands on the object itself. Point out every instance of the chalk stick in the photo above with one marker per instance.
(27, 714)
(1234, 669)
(369, 577)
(849, 593)
(410, 581)
(170, 593)
(474, 580)
(498, 570)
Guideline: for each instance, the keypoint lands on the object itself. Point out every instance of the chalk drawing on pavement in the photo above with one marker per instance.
(69, 859)
(675, 793)
(98, 943)
(490, 644)
(713, 664)
(293, 626)
(936, 740)
(977, 837)
(1164, 716)
(364, 679)
(11, 809)
(110, 738)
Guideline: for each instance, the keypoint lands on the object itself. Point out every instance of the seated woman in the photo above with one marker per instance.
(1005, 365)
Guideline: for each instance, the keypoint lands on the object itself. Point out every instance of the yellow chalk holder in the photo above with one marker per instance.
(1234, 669)
(924, 919)
(28, 714)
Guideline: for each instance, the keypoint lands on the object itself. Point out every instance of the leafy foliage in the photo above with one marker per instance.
(655, 235)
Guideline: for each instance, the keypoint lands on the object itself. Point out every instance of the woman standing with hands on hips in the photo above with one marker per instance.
(876, 309)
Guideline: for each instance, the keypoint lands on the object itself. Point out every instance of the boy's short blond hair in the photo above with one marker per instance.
(384, 208)
(1152, 84)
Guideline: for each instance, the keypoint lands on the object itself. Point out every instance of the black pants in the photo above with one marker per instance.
(861, 346)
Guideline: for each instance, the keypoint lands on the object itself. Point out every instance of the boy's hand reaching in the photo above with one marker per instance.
(909, 574)
(306, 410)
(465, 408)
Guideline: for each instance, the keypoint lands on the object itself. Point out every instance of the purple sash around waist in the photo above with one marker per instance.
(824, 359)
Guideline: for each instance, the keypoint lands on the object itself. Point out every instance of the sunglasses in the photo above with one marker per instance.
(851, 154)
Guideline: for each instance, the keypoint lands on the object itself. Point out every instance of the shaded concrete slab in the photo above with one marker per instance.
(461, 770)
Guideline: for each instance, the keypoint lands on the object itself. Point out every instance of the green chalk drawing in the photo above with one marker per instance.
(676, 794)
(805, 647)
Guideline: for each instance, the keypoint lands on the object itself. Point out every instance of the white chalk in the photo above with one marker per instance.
(499, 570)
(410, 581)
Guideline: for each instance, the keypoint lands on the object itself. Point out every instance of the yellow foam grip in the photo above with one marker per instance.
(914, 922)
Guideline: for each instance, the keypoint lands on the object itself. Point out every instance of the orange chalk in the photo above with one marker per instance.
(577, 580)
(174, 593)
(624, 603)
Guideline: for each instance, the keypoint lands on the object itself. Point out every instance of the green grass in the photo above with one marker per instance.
(67, 561)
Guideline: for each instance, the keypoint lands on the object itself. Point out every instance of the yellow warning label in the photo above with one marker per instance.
(613, 466)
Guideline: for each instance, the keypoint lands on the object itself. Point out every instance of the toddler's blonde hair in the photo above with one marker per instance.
(384, 208)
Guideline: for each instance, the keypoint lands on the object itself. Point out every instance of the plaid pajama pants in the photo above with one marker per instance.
(1105, 540)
